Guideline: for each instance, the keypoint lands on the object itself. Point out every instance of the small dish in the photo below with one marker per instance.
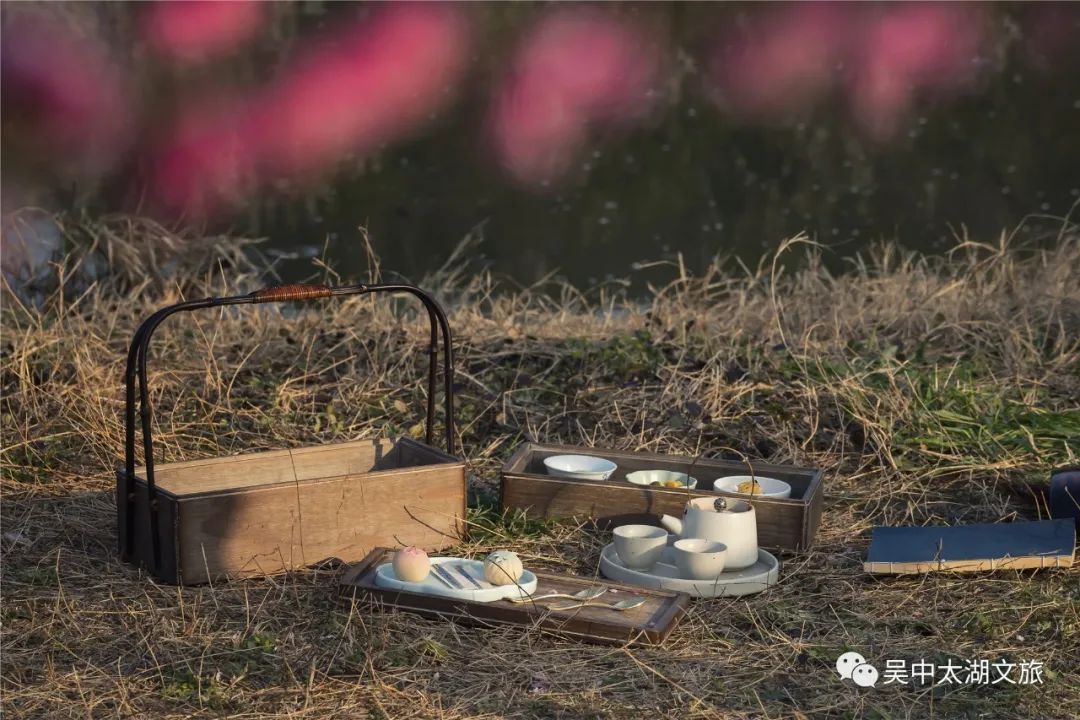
(768, 487)
(583, 467)
(663, 478)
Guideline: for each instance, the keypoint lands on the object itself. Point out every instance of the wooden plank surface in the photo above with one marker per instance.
(273, 467)
(650, 623)
(261, 513)
(267, 468)
(258, 531)
(970, 548)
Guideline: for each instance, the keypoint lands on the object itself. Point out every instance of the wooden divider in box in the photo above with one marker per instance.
(264, 512)
(786, 524)
(650, 623)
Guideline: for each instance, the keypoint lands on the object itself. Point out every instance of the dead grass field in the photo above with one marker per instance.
(931, 390)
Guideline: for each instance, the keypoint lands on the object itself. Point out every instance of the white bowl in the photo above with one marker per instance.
(769, 487)
(648, 477)
(699, 559)
(640, 546)
(584, 467)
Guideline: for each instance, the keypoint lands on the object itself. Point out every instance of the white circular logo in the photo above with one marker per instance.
(848, 662)
(864, 675)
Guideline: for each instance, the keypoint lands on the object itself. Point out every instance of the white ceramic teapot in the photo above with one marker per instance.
(732, 523)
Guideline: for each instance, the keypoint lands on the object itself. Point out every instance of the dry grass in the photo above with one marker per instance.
(930, 390)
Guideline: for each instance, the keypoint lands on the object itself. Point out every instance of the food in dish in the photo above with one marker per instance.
(757, 486)
(503, 567)
(662, 479)
(411, 564)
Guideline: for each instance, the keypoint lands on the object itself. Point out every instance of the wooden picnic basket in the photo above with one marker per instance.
(264, 512)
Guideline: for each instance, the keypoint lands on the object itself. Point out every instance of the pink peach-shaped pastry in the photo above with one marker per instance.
(411, 564)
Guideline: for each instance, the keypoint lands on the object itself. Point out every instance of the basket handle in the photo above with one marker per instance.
(136, 370)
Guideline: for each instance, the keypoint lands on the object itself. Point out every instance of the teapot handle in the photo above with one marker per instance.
(672, 525)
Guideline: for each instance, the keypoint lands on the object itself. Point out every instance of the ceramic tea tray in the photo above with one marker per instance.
(665, 576)
(431, 585)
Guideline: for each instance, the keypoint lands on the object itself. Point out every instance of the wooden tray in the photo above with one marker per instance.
(648, 624)
(783, 523)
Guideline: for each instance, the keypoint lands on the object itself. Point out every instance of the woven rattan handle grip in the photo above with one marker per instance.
(295, 291)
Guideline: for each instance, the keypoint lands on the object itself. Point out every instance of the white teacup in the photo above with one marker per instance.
(700, 559)
(640, 546)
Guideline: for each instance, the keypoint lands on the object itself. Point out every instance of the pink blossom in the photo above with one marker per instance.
(908, 48)
(193, 30)
(785, 60)
(65, 90)
(348, 92)
(364, 86)
(209, 159)
(577, 69)
(884, 57)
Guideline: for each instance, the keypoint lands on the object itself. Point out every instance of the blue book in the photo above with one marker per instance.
(969, 548)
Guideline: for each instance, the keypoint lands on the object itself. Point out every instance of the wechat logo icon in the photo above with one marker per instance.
(853, 666)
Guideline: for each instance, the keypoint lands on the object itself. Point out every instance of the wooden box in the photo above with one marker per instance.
(265, 512)
(648, 624)
(783, 524)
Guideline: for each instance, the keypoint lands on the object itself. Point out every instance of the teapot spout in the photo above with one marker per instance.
(672, 525)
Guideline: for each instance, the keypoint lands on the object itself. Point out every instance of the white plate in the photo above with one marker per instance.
(584, 467)
(647, 477)
(431, 585)
(770, 487)
(665, 576)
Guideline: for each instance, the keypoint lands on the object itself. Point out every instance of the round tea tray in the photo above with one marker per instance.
(431, 585)
(665, 576)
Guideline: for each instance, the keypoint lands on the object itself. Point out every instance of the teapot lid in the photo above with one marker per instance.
(717, 505)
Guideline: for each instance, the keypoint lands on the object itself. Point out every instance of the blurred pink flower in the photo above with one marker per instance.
(785, 59)
(883, 56)
(66, 92)
(348, 92)
(909, 48)
(363, 87)
(193, 30)
(209, 160)
(575, 70)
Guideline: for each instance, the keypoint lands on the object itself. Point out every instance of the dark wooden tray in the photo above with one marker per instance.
(648, 624)
(783, 524)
